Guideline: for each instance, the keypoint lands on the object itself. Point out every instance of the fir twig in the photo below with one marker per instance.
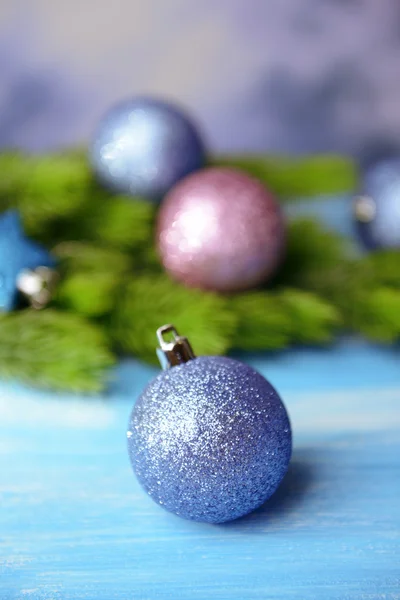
(116, 293)
(383, 267)
(52, 189)
(148, 301)
(84, 256)
(89, 294)
(290, 178)
(14, 169)
(262, 322)
(55, 350)
(120, 222)
(275, 320)
(312, 320)
(92, 276)
(377, 315)
(311, 250)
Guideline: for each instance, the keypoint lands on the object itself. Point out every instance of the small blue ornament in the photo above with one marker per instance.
(18, 256)
(377, 209)
(142, 147)
(209, 439)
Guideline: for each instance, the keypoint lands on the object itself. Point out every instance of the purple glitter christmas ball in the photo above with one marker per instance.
(210, 440)
(220, 229)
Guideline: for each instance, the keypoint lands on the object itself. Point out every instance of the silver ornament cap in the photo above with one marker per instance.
(174, 352)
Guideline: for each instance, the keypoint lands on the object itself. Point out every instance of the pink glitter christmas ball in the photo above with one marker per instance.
(221, 230)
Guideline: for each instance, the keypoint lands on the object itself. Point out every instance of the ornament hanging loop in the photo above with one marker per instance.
(174, 352)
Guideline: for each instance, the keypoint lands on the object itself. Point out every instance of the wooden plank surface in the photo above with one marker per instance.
(74, 523)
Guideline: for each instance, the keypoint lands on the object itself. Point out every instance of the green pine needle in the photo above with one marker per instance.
(92, 276)
(311, 249)
(14, 169)
(53, 349)
(312, 319)
(291, 177)
(377, 315)
(83, 256)
(384, 267)
(120, 222)
(276, 320)
(53, 188)
(262, 322)
(150, 301)
(91, 295)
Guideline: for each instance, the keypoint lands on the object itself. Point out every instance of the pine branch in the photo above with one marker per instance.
(149, 301)
(312, 319)
(295, 177)
(113, 284)
(53, 188)
(120, 222)
(273, 320)
(53, 349)
(14, 169)
(262, 322)
(88, 257)
(383, 267)
(91, 277)
(89, 294)
(311, 250)
(377, 315)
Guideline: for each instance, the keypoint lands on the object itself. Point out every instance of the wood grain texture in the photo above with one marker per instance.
(74, 523)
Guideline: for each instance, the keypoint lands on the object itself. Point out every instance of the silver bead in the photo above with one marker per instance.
(37, 286)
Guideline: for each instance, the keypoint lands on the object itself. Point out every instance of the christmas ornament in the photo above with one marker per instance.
(25, 267)
(209, 438)
(220, 229)
(377, 209)
(144, 146)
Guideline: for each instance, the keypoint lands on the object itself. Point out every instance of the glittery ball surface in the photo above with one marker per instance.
(144, 146)
(210, 440)
(378, 208)
(220, 229)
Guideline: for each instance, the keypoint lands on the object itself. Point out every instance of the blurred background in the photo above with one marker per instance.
(305, 76)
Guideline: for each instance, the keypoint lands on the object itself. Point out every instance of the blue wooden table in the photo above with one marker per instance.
(74, 524)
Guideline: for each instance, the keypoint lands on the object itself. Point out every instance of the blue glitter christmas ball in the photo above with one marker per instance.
(210, 440)
(377, 209)
(143, 146)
